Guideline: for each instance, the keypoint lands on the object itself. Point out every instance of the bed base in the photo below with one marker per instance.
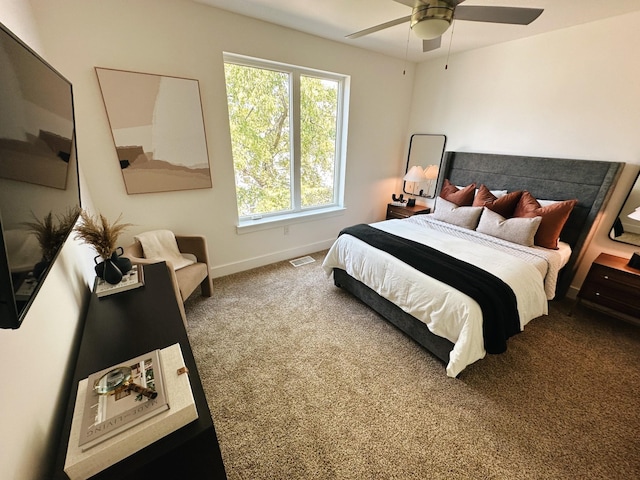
(414, 328)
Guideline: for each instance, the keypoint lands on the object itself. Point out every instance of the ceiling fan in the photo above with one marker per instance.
(431, 18)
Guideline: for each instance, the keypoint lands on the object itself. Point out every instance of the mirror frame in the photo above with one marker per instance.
(424, 146)
(617, 232)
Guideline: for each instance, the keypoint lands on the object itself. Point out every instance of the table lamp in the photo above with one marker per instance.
(415, 175)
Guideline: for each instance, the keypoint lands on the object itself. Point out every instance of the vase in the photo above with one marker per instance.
(112, 273)
(112, 269)
(108, 270)
(123, 263)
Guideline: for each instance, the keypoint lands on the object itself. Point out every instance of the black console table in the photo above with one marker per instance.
(128, 324)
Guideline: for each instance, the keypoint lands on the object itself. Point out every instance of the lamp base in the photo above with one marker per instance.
(634, 261)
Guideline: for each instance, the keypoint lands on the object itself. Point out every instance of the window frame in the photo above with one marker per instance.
(298, 212)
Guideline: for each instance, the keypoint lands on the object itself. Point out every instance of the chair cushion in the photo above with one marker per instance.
(190, 277)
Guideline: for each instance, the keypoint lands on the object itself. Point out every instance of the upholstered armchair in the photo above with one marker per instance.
(186, 279)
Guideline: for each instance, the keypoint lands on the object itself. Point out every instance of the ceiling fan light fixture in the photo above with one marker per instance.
(429, 22)
(430, 28)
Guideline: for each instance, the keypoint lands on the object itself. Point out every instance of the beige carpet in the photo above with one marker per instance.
(303, 382)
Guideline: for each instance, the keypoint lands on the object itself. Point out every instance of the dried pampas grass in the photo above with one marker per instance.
(97, 232)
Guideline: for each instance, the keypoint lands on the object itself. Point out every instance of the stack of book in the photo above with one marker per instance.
(134, 278)
(106, 428)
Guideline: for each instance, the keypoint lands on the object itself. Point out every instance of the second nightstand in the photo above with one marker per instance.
(612, 287)
(394, 211)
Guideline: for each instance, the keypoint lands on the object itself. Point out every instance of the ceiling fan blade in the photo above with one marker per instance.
(382, 26)
(513, 15)
(433, 44)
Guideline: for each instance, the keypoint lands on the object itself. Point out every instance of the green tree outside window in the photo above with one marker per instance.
(285, 138)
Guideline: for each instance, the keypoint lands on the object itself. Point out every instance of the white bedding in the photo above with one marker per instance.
(446, 311)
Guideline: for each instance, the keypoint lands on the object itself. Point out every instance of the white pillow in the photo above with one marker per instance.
(466, 217)
(495, 193)
(498, 193)
(519, 230)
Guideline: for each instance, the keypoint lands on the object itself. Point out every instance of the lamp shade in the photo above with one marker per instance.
(415, 174)
(431, 172)
(635, 215)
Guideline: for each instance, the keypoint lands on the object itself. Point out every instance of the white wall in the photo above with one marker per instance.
(36, 357)
(187, 39)
(569, 94)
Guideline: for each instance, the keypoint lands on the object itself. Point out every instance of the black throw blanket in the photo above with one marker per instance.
(496, 299)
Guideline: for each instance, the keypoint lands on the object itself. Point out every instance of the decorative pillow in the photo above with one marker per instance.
(503, 205)
(466, 217)
(462, 197)
(554, 216)
(516, 230)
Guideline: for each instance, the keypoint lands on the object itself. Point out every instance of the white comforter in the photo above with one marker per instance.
(446, 311)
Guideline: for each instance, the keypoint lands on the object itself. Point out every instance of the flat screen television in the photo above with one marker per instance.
(39, 188)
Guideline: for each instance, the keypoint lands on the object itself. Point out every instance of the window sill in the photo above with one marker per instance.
(249, 226)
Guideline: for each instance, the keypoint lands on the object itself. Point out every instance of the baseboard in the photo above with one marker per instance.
(255, 262)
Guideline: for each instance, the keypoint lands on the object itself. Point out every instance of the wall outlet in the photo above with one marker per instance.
(286, 229)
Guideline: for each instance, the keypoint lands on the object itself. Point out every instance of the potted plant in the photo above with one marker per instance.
(102, 236)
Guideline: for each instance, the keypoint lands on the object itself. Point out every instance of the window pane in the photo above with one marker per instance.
(318, 125)
(258, 102)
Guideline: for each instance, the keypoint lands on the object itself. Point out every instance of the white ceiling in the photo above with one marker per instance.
(334, 19)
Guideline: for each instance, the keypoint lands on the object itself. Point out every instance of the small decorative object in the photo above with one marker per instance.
(123, 263)
(108, 271)
(97, 232)
(634, 261)
(398, 201)
(120, 379)
(50, 236)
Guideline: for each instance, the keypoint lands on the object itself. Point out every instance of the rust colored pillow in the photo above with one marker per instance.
(462, 197)
(554, 217)
(504, 205)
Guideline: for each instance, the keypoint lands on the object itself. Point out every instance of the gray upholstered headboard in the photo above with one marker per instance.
(547, 179)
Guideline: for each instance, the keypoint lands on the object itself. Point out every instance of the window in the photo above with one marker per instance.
(286, 134)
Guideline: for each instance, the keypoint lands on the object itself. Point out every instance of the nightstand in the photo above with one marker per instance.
(612, 287)
(406, 212)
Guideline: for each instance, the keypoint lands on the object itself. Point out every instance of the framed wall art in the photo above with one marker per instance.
(158, 130)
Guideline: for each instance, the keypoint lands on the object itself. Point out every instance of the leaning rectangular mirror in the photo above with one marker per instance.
(423, 164)
(626, 227)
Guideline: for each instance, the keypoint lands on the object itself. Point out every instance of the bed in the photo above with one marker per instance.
(391, 272)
